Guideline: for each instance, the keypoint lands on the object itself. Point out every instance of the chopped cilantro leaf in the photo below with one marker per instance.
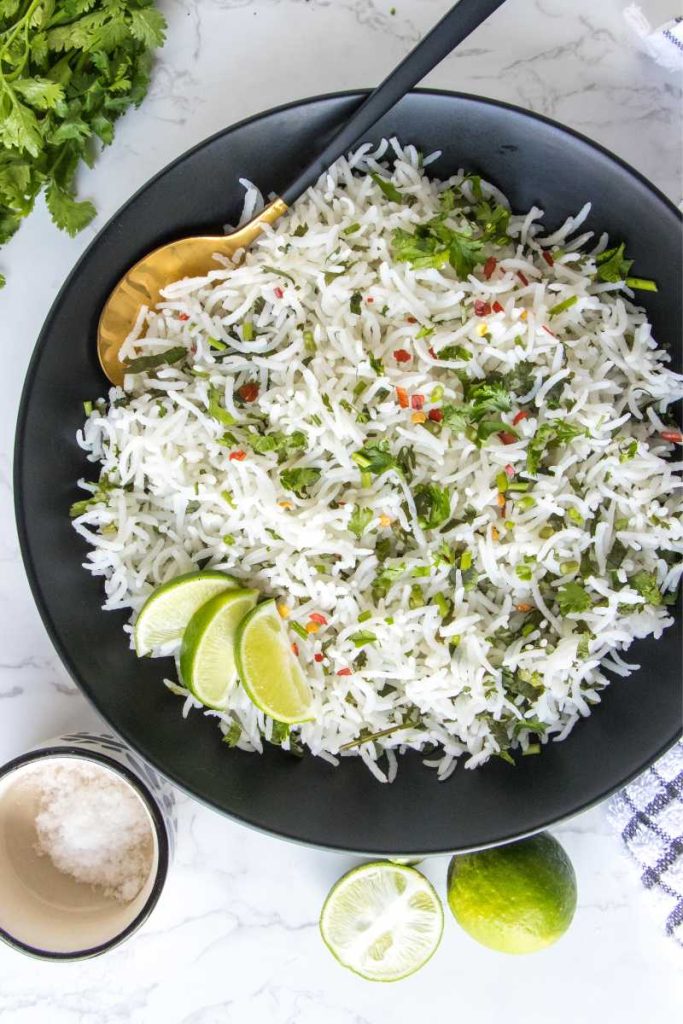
(645, 583)
(299, 480)
(144, 363)
(390, 190)
(359, 520)
(375, 457)
(572, 597)
(377, 365)
(452, 352)
(549, 435)
(433, 505)
(217, 411)
(363, 637)
(613, 266)
(233, 734)
(283, 444)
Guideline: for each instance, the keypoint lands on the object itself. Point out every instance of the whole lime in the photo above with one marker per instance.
(517, 898)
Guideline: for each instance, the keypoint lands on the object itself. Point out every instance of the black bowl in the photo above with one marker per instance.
(534, 161)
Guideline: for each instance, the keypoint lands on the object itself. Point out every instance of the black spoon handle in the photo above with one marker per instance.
(455, 26)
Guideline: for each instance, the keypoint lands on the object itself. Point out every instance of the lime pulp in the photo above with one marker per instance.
(167, 611)
(207, 653)
(382, 920)
(268, 670)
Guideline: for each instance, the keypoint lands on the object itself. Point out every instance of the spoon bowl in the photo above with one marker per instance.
(141, 286)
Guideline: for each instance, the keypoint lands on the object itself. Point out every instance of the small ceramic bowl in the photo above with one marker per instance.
(45, 912)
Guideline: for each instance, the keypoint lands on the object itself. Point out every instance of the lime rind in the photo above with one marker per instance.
(167, 611)
(383, 921)
(268, 670)
(518, 898)
(207, 654)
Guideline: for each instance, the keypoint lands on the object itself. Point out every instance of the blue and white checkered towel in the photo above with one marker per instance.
(663, 42)
(649, 815)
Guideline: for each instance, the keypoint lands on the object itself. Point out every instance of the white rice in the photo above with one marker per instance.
(175, 501)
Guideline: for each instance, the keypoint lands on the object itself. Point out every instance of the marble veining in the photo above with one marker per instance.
(234, 937)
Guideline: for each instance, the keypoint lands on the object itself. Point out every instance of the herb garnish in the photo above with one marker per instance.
(613, 266)
(299, 480)
(144, 363)
(572, 597)
(68, 70)
(433, 505)
(390, 190)
(216, 409)
(375, 457)
(549, 435)
(360, 518)
(283, 444)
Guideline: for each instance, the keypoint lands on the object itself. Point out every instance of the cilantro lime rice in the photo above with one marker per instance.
(435, 433)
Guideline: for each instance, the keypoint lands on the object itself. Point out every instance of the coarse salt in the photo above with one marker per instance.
(94, 828)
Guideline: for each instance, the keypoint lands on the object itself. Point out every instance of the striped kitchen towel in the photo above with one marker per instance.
(663, 43)
(649, 815)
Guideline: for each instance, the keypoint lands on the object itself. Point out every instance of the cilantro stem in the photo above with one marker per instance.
(643, 284)
(561, 306)
(372, 737)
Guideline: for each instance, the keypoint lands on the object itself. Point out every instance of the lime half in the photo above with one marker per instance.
(268, 669)
(517, 898)
(207, 653)
(166, 612)
(382, 920)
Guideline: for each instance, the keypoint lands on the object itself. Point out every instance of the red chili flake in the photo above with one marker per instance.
(490, 266)
(344, 672)
(402, 398)
(411, 320)
(417, 401)
(369, 299)
(248, 392)
(548, 258)
(501, 510)
(506, 437)
(497, 308)
(401, 356)
(509, 471)
(519, 416)
(238, 456)
(674, 436)
(279, 292)
(318, 657)
(183, 316)
(481, 308)
(432, 352)
(548, 331)
(193, 349)
(435, 415)
(295, 649)
(317, 617)
(522, 278)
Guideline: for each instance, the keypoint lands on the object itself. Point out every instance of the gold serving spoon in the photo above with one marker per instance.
(193, 257)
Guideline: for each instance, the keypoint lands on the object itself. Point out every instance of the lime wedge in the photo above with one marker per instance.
(382, 921)
(269, 672)
(167, 611)
(207, 654)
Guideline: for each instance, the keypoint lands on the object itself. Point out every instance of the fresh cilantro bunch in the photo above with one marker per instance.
(68, 69)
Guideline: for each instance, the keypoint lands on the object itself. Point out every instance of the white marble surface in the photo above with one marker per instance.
(234, 938)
